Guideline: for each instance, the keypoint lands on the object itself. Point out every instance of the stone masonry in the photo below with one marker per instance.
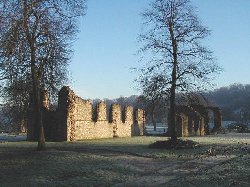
(192, 117)
(189, 122)
(77, 119)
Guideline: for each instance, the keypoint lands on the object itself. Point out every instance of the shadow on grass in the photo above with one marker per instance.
(58, 168)
(92, 163)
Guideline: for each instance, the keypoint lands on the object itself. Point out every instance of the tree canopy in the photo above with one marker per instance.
(35, 46)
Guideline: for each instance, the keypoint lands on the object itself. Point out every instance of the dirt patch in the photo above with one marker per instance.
(155, 172)
(174, 144)
(159, 172)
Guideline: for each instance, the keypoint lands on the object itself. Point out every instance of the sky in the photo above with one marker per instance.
(106, 46)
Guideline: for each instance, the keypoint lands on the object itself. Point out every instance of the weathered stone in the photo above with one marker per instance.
(182, 125)
(75, 119)
(139, 122)
(198, 118)
(101, 111)
(188, 121)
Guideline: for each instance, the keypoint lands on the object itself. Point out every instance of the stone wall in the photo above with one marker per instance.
(217, 120)
(139, 125)
(77, 119)
(182, 125)
(189, 122)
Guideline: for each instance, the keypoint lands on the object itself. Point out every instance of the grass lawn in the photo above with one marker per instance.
(221, 160)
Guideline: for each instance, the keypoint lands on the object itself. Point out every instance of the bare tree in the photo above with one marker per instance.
(35, 41)
(172, 39)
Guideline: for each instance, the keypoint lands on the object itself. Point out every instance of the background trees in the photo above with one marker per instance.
(172, 39)
(154, 96)
(35, 41)
(234, 100)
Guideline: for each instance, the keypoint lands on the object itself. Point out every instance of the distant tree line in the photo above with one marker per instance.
(234, 100)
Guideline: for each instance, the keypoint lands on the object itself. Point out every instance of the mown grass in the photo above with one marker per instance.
(91, 163)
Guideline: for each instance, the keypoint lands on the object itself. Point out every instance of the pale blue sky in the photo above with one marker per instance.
(105, 50)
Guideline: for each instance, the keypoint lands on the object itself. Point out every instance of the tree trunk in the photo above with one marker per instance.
(153, 117)
(38, 111)
(172, 125)
(41, 140)
(37, 103)
(35, 80)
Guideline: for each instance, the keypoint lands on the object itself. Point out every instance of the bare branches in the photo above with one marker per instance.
(45, 27)
(35, 44)
(173, 27)
(173, 34)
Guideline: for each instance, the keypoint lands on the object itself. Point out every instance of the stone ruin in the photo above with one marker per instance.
(192, 117)
(77, 119)
(189, 122)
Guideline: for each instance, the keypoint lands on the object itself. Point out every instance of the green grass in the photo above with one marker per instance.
(127, 162)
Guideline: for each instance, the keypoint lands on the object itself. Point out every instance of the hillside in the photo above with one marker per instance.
(234, 101)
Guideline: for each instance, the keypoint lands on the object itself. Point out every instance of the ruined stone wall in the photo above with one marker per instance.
(189, 122)
(202, 127)
(217, 120)
(139, 122)
(182, 125)
(86, 127)
(77, 119)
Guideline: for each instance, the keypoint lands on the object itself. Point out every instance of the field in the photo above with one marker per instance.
(220, 160)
